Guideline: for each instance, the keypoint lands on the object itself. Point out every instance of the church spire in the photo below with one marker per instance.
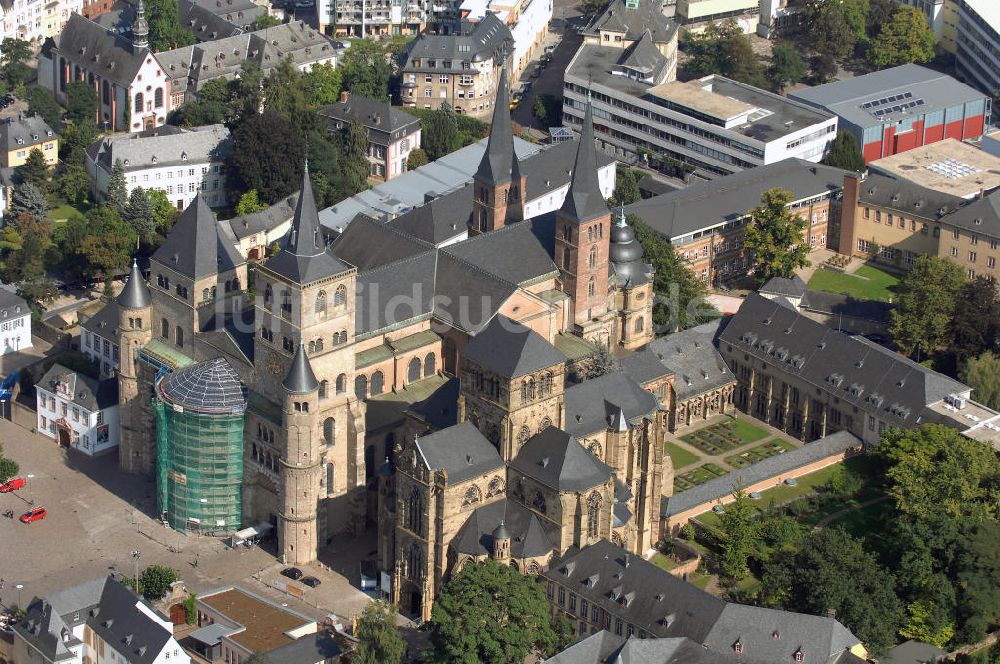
(499, 164)
(584, 201)
(300, 378)
(135, 295)
(140, 29)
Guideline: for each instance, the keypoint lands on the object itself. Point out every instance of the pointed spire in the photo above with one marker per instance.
(135, 295)
(499, 164)
(584, 200)
(300, 378)
(304, 238)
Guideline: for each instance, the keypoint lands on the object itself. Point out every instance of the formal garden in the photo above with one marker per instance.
(724, 436)
(754, 454)
(699, 475)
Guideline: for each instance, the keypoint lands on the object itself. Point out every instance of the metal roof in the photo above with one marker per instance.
(211, 388)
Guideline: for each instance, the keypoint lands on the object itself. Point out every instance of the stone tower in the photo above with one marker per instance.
(632, 282)
(135, 329)
(498, 183)
(140, 29)
(501, 544)
(301, 463)
(583, 232)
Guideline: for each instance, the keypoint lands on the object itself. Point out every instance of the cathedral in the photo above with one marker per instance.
(276, 363)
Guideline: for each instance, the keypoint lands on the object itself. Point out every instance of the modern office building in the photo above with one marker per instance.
(696, 15)
(898, 109)
(977, 52)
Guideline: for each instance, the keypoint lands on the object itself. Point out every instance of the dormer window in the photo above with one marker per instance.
(125, 163)
(799, 655)
(738, 647)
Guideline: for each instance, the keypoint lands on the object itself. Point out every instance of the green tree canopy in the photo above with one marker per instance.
(249, 203)
(925, 305)
(906, 38)
(844, 153)
(103, 246)
(81, 102)
(787, 66)
(268, 155)
(26, 245)
(14, 50)
(775, 236)
(353, 168)
(626, 186)
(379, 639)
(40, 102)
(155, 580)
(982, 374)
(322, 84)
(823, 67)
(722, 48)
(601, 362)
(164, 212)
(138, 214)
(8, 468)
(367, 70)
(35, 169)
(117, 195)
(439, 132)
(976, 323)
(741, 534)
(980, 581)
(418, 157)
(592, 8)
(265, 21)
(28, 199)
(490, 614)
(74, 140)
(835, 26)
(165, 30)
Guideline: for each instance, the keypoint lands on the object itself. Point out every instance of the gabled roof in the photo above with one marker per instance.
(584, 200)
(31, 131)
(500, 165)
(88, 393)
(633, 21)
(395, 293)
(195, 247)
(511, 349)
(643, 366)
(304, 256)
(519, 253)
(367, 244)
(793, 287)
(135, 295)
(557, 460)
(163, 146)
(594, 405)
(460, 451)
(440, 220)
(467, 296)
(606, 648)
(102, 51)
(981, 215)
(379, 116)
(693, 359)
(643, 57)
(120, 622)
(482, 42)
(527, 535)
(300, 378)
(907, 197)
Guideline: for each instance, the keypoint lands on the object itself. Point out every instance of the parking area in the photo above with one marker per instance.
(97, 516)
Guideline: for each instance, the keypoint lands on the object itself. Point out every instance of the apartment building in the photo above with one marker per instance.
(706, 222)
(179, 162)
(21, 135)
(77, 411)
(15, 330)
(527, 20)
(34, 20)
(696, 15)
(645, 39)
(898, 109)
(373, 18)
(977, 51)
(99, 339)
(392, 133)
(462, 68)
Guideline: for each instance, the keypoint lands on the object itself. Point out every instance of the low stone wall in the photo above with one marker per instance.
(691, 562)
(58, 338)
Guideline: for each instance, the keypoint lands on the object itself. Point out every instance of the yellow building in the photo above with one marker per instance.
(22, 135)
(696, 15)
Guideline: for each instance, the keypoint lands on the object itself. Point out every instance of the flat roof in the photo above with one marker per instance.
(264, 623)
(949, 166)
(693, 95)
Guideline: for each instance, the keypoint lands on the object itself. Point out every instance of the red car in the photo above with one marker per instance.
(36, 514)
(13, 485)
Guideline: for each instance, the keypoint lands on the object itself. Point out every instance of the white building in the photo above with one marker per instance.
(77, 411)
(528, 21)
(15, 323)
(179, 162)
(977, 54)
(34, 20)
(97, 621)
(98, 339)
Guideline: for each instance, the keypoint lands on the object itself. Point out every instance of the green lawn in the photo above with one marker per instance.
(865, 521)
(748, 432)
(680, 456)
(662, 561)
(724, 436)
(62, 212)
(867, 283)
(754, 454)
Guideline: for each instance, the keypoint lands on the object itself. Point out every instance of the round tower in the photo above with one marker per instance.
(633, 286)
(301, 463)
(501, 544)
(135, 329)
(140, 29)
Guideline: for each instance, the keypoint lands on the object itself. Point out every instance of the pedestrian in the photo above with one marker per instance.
(1, 583)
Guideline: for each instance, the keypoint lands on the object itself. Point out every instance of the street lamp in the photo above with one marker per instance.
(135, 560)
(19, 587)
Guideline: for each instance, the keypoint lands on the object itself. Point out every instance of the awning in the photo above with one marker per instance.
(211, 635)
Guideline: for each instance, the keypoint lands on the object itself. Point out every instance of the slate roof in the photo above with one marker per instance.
(439, 410)
(835, 304)
(692, 357)
(557, 460)
(120, 622)
(500, 164)
(163, 146)
(606, 648)
(104, 323)
(511, 349)
(135, 295)
(596, 404)
(468, 297)
(104, 52)
(727, 199)
(584, 201)
(527, 535)
(552, 167)
(367, 244)
(907, 197)
(304, 257)
(861, 373)
(395, 293)
(442, 219)
(210, 387)
(308, 649)
(88, 393)
(530, 241)
(300, 378)
(981, 215)
(720, 487)
(644, 58)
(643, 366)
(11, 304)
(912, 652)
(461, 451)
(31, 131)
(371, 113)
(647, 15)
(195, 246)
(46, 631)
(793, 287)
(264, 221)
(485, 40)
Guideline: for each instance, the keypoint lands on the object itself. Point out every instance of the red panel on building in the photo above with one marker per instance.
(905, 141)
(974, 126)
(935, 133)
(872, 151)
(954, 130)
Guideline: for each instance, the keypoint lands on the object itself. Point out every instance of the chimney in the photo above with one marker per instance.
(849, 213)
(982, 193)
(378, 119)
(344, 94)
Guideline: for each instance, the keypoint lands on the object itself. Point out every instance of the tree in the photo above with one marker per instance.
(41, 102)
(28, 199)
(722, 48)
(835, 26)
(824, 67)
(907, 38)
(165, 29)
(832, 571)
(925, 305)
(548, 109)
(284, 95)
(379, 639)
(787, 66)
(117, 196)
(879, 13)
(919, 625)
(215, 104)
(489, 613)
(601, 362)
(439, 135)
(107, 244)
(81, 102)
(976, 323)
(322, 84)
(268, 155)
(592, 8)
(775, 236)
(982, 374)
(8, 468)
(367, 70)
(35, 169)
(74, 185)
(741, 534)
(626, 186)
(138, 214)
(33, 238)
(416, 159)
(265, 21)
(352, 171)
(249, 203)
(980, 581)
(844, 153)
(164, 212)
(155, 580)
(14, 50)
(74, 141)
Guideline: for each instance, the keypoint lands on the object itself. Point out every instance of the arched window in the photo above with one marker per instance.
(450, 356)
(321, 302)
(568, 233)
(236, 284)
(639, 324)
(106, 93)
(533, 569)
(495, 487)
(591, 287)
(594, 514)
(413, 371)
(430, 365)
(414, 511)
(361, 386)
(341, 383)
(523, 435)
(324, 389)
(179, 332)
(330, 431)
(527, 390)
(414, 567)
(138, 102)
(378, 383)
(592, 261)
(158, 98)
(538, 502)
(546, 423)
(567, 258)
(590, 234)
(472, 496)
(319, 344)
(545, 385)
(312, 347)
(595, 449)
(227, 286)
(164, 328)
(340, 296)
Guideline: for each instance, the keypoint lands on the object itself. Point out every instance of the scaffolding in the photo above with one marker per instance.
(200, 418)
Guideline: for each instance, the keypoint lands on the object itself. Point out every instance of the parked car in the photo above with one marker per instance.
(13, 485)
(36, 514)
(547, 58)
(536, 72)
(293, 573)
(526, 88)
(310, 581)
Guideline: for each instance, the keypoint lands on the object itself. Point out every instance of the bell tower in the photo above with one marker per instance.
(136, 454)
